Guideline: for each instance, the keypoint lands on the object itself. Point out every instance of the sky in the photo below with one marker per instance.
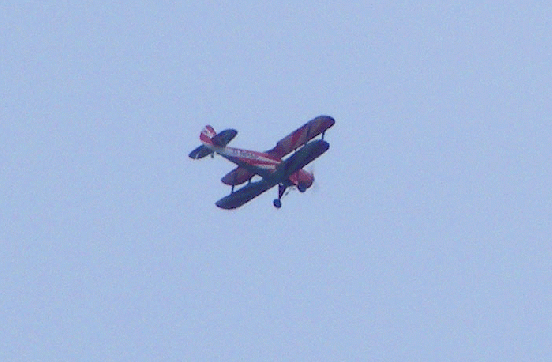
(427, 236)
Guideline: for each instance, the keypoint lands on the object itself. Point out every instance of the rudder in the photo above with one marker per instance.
(207, 135)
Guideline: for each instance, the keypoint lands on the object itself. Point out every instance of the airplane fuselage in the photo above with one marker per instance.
(270, 165)
(264, 165)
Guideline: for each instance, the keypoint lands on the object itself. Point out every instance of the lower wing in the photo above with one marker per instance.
(243, 195)
(303, 157)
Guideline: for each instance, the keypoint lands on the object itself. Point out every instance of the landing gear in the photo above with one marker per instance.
(278, 201)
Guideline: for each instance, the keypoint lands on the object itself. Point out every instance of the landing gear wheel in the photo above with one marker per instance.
(277, 203)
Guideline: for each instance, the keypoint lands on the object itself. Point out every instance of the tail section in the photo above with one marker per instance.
(206, 138)
(207, 135)
(211, 140)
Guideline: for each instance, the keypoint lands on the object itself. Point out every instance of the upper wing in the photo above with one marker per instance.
(302, 135)
(243, 195)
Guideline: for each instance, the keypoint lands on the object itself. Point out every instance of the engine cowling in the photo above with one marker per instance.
(302, 179)
(302, 186)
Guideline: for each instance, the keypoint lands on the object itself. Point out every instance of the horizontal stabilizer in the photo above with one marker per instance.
(243, 195)
(200, 152)
(221, 139)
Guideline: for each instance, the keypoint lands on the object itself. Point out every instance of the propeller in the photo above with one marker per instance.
(314, 187)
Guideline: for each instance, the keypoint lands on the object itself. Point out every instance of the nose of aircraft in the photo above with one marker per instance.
(306, 182)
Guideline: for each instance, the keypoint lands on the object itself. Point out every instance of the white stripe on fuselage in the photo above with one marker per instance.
(244, 155)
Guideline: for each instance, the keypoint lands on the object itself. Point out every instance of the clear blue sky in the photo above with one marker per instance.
(427, 237)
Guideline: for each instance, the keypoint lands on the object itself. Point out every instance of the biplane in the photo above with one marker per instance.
(270, 165)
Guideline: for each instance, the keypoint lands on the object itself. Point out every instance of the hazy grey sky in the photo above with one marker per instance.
(427, 237)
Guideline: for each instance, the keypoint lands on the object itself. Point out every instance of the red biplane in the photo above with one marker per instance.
(269, 165)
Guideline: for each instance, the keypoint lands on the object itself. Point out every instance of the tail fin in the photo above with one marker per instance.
(211, 140)
(207, 135)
